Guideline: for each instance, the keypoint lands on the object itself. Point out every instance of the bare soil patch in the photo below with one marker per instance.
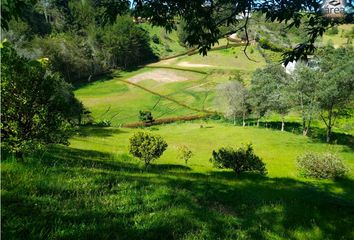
(159, 75)
(196, 65)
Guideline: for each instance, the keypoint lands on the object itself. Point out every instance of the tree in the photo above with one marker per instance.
(233, 96)
(259, 94)
(38, 107)
(336, 84)
(127, 44)
(303, 91)
(184, 153)
(147, 146)
(269, 91)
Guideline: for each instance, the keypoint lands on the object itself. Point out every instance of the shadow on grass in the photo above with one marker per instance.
(92, 131)
(316, 133)
(80, 194)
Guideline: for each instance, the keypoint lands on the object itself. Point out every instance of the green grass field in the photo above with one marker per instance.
(94, 189)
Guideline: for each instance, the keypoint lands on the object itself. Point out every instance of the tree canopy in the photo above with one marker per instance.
(38, 107)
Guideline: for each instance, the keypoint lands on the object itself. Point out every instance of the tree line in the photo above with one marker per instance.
(319, 89)
(80, 38)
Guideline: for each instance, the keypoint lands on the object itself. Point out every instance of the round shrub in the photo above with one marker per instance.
(321, 165)
(146, 146)
(241, 159)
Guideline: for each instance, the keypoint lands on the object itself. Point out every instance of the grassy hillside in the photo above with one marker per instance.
(93, 189)
(190, 80)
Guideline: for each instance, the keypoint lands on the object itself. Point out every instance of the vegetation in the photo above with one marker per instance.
(185, 153)
(146, 117)
(234, 96)
(240, 160)
(146, 146)
(95, 178)
(127, 44)
(38, 107)
(321, 165)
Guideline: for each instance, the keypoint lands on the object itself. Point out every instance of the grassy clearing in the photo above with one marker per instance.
(120, 103)
(93, 189)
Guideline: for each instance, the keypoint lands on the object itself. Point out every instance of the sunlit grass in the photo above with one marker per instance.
(95, 189)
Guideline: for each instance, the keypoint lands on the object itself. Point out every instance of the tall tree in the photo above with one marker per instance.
(269, 91)
(303, 92)
(336, 84)
(127, 43)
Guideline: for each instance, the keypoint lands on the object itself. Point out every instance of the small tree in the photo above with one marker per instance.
(233, 98)
(146, 146)
(184, 153)
(240, 160)
(146, 117)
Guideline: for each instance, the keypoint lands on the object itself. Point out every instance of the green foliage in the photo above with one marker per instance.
(155, 39)
(103, 123)
(70, 55)
(184, 153)
(303, 93)
(146, 116)
(146, 146)
(333, 31)
(240, 160)
(127, 44)
(336, 84)
(266, 44)
(233, 99)
(269, 91)
(182, 33)
(321, 165)
(38, 107)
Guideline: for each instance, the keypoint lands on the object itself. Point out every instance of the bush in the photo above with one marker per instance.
(146, 146)
(321, 165)
(184, 153)
(103, 123)
(240, 160)
(333, 31)
(146, 117)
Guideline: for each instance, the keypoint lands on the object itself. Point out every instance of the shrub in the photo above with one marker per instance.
(147, 146)
(103, 123)
(146, 116)
(321, 165)
(184, 153)
(241, 159)
(333, 31)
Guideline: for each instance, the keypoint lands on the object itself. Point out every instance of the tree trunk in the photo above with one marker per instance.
(329, 133)
(235, 119)
(305, 131)
(243, 120)
(282, 124)
(258, 122)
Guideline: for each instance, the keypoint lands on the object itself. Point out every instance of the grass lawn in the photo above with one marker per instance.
(93, 189)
